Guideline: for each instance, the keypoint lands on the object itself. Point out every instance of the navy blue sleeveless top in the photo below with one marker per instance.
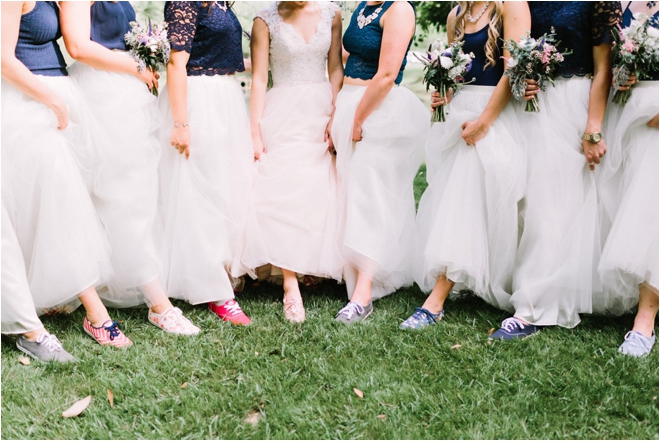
(212, 36)
(579, 27)
(628, 17)
(37, 46)
(476, 43)
(110, 22)
(363, 45)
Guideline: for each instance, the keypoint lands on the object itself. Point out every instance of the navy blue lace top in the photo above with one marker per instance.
(110, 22)
(363, 45)
(37, 46)
(628, 17)
(482, 75)
(211, 35)
(579, 27)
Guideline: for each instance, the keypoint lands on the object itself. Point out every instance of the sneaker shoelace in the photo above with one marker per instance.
(182, 317)
(50, 342)
(233, 308)
(350, 310)
(421, 312)
(512, 323)
(113, 329)
(636, 339)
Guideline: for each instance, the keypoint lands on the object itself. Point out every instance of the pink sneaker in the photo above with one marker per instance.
(173, 321)
(108, 334)
(231, 312)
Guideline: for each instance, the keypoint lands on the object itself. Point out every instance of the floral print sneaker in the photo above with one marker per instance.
(230, 312)
(173, 321)
(422, 318)
(108, 334)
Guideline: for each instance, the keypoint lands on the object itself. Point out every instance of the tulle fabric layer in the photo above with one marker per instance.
(377, 231)
(63, 245)
(558, 250)
(205, 197)
(630, 253)
(295, 193)
(468, 215)
(125, 191)
(19, 314)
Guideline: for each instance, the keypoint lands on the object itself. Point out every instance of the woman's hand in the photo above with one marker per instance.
(357, 131)
(473, 132)
(58, 106)
(531, 90)
(437, 100)
(653, 122)
(180, 139)
(258, 146)
(328, 136)
(149, 77)
(632, 79)
(593, 152)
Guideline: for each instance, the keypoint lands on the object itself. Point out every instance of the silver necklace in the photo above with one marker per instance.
(363, 21)
(223, 6)
(476, 19)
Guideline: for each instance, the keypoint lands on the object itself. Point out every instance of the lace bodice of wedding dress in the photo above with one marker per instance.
(293, 60)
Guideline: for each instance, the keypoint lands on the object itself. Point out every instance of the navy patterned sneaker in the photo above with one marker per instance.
(513, 328)
(422, 318)
(637, 344)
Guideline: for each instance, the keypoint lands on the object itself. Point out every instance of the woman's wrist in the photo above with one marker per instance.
(181, 124)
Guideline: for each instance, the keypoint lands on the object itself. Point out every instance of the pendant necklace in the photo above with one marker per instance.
(363, 21)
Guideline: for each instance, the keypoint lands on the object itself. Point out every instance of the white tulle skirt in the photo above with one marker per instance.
(630, 253)
(558, 250)
(205, 197)
(468, 215)
(377, 231)
(19, 315)
(61, 239)
(295, 193)
(125, 188)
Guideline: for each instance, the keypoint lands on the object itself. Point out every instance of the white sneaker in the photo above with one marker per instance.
(173, 321)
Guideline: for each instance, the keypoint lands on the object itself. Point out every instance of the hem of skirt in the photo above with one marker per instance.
(305, 273)
(21, 332)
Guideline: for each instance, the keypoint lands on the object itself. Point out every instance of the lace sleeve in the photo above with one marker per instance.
(181, 18)
(604, 17)
(270, 16)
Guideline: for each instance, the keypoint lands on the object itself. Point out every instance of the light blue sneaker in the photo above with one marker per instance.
(422, 318)
(637, 344)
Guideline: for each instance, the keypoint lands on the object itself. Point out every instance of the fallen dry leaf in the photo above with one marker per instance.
(25, 361)
(256, 354)
(111, 398)
(253, 417)
(78, 407)
(184, 385)
(456, 346)
(358, 392)
(491, 330)
(382, 416)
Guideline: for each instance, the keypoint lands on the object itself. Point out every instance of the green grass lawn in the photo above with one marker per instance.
(278, 380)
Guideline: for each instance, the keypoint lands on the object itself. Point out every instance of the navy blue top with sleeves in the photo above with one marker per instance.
(579, 27)
(213, 37)
(110, 21)
(363, 45)
(628, 17)
(482, 75)
(37, 46)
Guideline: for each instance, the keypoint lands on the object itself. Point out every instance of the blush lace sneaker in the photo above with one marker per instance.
(173, 321)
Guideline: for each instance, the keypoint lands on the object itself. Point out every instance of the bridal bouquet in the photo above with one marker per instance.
(532, 59)
(444, 68)
(635, 51)
(149, 47)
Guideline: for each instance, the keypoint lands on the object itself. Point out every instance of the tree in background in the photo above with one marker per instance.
(432, 18)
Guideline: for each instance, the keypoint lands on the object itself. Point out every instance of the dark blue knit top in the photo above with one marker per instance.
(363, 45)
(110, 22)
(482, 75)
(37, 46)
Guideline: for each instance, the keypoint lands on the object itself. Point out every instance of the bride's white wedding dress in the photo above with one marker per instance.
(295, 193)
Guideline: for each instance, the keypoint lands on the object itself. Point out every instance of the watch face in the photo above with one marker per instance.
(596, 137)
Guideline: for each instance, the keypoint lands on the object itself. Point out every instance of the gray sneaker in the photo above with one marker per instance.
(46, 348)
(353, 313)
(637, 344)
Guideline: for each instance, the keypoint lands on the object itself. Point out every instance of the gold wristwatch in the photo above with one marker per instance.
(593, 138)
